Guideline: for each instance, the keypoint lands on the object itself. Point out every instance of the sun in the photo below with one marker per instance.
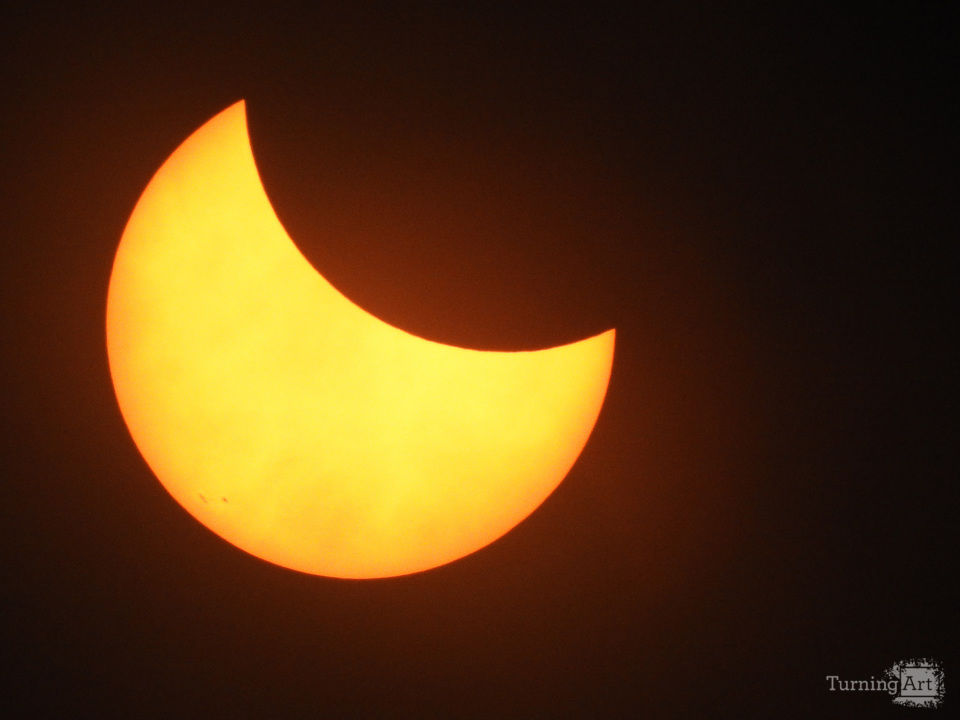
(296, 425)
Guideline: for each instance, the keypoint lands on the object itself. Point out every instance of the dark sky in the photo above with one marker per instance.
(756, 199)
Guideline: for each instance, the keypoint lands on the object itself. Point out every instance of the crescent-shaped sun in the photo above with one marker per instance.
(296, 425)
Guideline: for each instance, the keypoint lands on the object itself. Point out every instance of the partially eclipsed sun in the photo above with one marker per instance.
(296, 425)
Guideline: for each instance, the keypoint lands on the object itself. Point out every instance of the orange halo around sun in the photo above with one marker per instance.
(296, 425)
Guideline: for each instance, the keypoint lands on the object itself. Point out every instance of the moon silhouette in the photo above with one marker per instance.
(297, 426)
